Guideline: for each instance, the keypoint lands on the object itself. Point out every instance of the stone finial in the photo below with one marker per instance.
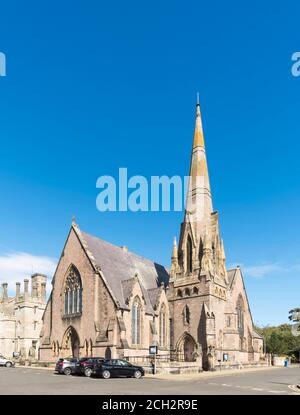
(26, 286)
(18, 285)
(174, 251)
(4, 289)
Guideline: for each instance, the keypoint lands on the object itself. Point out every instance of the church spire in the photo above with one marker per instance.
(198, 134)
(199, 201)
(174, 259)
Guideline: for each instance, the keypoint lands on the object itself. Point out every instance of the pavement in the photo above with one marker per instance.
(258, 381)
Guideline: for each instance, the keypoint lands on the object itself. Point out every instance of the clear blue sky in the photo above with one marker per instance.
(92, 86)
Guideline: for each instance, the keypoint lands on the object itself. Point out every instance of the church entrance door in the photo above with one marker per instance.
(71, 343)
(188, 349)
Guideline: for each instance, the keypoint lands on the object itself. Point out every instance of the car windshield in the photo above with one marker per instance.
(123, 363)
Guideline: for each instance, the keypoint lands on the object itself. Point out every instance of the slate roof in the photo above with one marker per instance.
(119, 268)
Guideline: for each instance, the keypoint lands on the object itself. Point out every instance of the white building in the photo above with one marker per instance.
(21, 318)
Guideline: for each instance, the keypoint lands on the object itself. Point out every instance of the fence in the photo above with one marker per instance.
(163, 358)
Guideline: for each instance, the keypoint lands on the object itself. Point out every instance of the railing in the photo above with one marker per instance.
(160, 358)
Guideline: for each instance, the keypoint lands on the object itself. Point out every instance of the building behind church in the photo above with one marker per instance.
(108, 301)
(21, 318)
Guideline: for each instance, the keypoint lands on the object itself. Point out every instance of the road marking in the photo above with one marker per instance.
(225, 384)
(276, 391)
(257, 389)
(294, 388)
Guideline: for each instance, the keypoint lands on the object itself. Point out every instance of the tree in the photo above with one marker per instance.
(280, 340)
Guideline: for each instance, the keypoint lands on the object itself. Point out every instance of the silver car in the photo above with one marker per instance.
(5, 362)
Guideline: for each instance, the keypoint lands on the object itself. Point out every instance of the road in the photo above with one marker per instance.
(25, 381)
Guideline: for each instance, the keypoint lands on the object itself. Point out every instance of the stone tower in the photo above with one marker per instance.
(198, 259)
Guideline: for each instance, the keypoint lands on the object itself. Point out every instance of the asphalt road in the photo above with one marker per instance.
(26, 381)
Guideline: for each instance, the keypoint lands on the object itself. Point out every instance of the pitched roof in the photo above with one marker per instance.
(231, 274)
(256, 335)
(154, 294)
(120, 266)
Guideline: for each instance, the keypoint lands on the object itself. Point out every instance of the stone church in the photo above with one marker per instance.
(108, 301)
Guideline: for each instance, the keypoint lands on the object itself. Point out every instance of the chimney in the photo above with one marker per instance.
(43, 292)
(4, 294)
(17, 290)
(26, 283)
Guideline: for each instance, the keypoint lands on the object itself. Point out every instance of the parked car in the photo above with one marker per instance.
(6, 362)
(66, 366)
(85, 365)
(117, 368)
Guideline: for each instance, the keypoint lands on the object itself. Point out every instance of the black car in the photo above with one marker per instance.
(117, 367)
(85, 365)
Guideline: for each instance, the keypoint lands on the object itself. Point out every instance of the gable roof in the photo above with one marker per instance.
(119, 267)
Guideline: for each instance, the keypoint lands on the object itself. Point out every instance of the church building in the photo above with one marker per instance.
(108, 301)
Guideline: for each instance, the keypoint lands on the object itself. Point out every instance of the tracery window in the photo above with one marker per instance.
(73, 292)
(189, 255)
(163, 326)
(186, 315)
(240, 315)
(136, 322)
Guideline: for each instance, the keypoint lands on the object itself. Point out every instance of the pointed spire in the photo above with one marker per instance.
(198, 134)
(174, 251)
(174, 259)
(199, 202)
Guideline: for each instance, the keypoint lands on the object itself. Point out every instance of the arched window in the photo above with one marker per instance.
(186, 315)
(187, 292)
(189, 255)
(163, 326)
(240, 315)
(179, 293)
(195, 291)
(136, 322)
(73, 292)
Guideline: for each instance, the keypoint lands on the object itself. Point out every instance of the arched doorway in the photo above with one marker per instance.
(71, 343)
(187, 348)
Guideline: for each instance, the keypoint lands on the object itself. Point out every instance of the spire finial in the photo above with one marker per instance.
(174, 250)
(198, 100)
(73, 220)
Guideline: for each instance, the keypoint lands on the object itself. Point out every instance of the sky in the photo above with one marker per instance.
(93, 86)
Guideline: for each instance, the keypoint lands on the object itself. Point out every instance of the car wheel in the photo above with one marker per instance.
(88, 372)
(8, 364)
(137, 374)
(106, 374)
(67, 371)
